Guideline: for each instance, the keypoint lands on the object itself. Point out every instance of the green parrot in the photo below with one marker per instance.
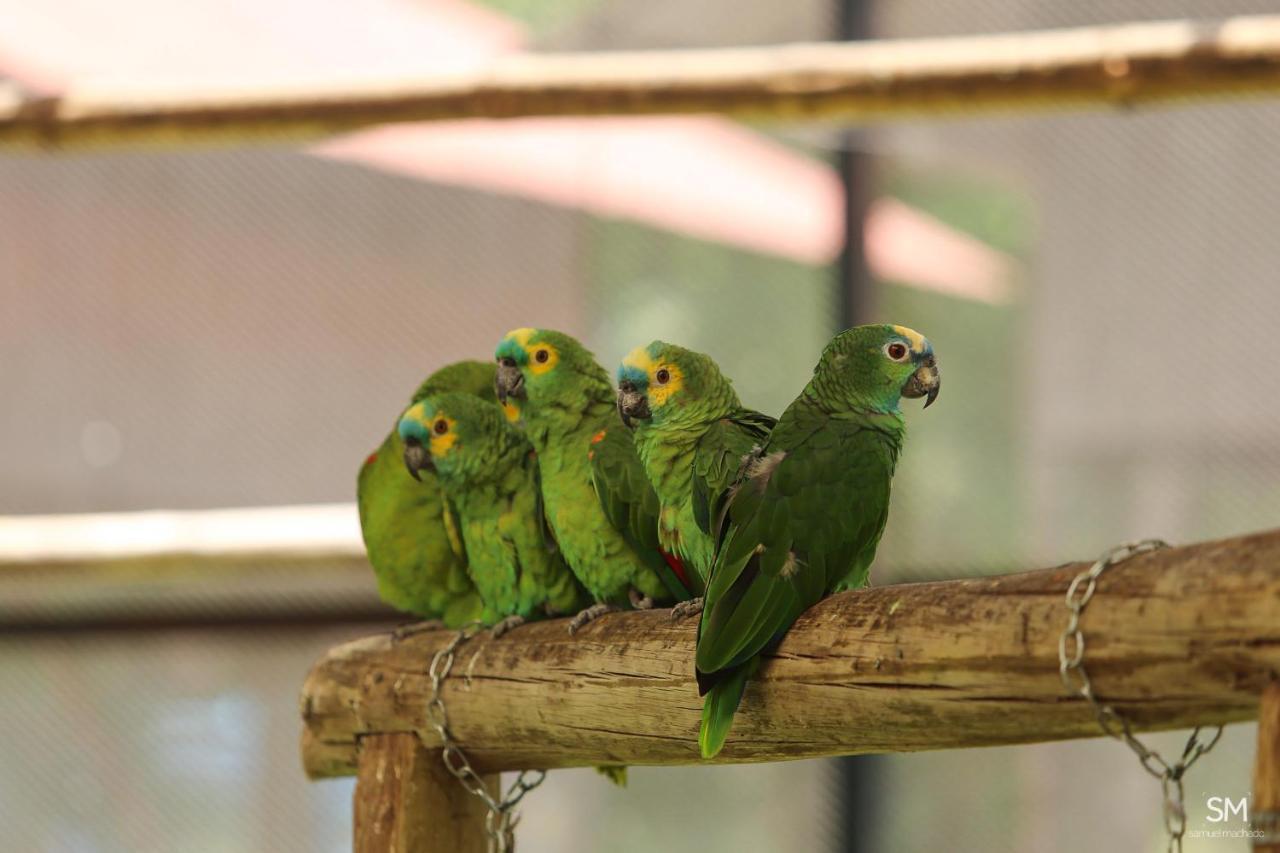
(490, 475)
(807, 516)
(413, 546)
(692, 434)
(598, 501)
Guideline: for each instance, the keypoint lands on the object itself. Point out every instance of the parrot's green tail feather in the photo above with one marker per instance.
(721, 704)
(615, 773)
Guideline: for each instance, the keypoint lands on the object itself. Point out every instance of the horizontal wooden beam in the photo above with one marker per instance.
(308, 530)
(857, 82)
(1180, 637)
(285, 565)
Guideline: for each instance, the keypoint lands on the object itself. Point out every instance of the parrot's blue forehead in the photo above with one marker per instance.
(634, 374)
(511, 348)
(415, 422)
(412, 428)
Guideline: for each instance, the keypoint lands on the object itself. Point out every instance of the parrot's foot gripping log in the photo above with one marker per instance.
(514, 621)
(592, 613)
(685, 609)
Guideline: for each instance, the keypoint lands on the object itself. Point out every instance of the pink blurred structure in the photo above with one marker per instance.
(703, 176)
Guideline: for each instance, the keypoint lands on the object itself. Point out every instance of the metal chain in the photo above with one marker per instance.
(500, 822)
(1076, 680)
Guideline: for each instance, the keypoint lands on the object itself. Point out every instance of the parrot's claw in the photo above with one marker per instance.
(639, 601)
(592, 613)
(685, 609)
(406, 631)
(506, 625)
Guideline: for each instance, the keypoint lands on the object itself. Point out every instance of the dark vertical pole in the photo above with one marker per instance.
(858, 776)
(853, 302)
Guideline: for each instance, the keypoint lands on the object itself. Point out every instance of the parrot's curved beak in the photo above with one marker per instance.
(416, 458)
(632, 405)
(509, 382)
(925, 382)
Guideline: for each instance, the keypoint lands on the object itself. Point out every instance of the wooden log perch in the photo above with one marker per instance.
(853, 82)
(1180, 637)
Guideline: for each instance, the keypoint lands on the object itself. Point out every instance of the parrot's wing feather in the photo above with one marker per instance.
(453, 531)
(830, 494)
(544, 525)
(722, 454)
(629, 502)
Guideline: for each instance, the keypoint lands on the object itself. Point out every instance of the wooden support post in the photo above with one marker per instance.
(407, 802)
(1266, 773)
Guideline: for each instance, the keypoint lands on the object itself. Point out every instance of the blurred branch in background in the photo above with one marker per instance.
(855, 82)
(268, 565)
(283, 565)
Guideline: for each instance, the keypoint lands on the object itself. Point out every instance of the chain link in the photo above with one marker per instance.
(500, 822)
(1071, 667)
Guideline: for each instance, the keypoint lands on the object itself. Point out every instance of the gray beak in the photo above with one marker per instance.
(632, 405)
(925, 382)
(509, 383)
(416, 458)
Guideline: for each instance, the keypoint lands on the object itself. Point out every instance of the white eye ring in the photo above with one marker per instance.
(897, 351)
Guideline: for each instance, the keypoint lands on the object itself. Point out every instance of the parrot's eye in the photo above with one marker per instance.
(663, 376)
(541, 356)
(507, 361)
(440, 427)
(897, 351)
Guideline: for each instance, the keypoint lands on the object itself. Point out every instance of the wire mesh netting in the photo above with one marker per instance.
(239, 327)
(1114, 406)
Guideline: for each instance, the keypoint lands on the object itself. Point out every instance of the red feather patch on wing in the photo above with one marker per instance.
(373, 457)
(678, 567)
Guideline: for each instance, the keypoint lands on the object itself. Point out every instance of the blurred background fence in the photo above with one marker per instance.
(191, 329)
